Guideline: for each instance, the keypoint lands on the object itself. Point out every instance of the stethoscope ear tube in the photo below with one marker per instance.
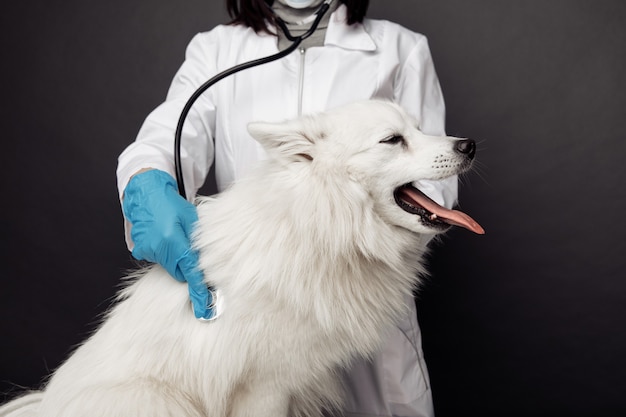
(185, 112)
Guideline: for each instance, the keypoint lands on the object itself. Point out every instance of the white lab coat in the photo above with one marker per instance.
(376, 59)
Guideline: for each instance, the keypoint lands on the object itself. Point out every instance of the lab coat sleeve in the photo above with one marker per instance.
(418, 91)
(154, 145)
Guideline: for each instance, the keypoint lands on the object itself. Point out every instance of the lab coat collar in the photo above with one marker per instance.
(339, 33)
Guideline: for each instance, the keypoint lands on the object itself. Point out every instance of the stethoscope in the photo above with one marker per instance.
(296, 40)
(316, 18)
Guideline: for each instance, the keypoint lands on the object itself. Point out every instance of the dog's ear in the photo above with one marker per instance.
(283, 140)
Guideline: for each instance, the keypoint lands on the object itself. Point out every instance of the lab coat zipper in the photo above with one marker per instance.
(301, 81)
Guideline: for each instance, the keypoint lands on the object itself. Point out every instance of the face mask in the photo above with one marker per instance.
(301, 4)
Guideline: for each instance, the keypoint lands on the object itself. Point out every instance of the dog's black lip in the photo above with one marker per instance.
(425, 215)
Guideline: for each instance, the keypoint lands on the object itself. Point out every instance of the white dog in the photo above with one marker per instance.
(303, 252)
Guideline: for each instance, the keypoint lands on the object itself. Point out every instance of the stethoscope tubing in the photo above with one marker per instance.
(230, 71)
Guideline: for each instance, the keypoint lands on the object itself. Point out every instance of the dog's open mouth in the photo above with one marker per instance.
(413, 201)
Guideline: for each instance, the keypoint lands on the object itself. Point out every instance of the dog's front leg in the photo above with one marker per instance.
(259, 399)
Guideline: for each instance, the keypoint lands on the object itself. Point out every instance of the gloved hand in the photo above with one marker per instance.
(162, 222)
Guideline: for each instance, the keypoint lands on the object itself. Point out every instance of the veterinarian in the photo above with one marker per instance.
(348, 58)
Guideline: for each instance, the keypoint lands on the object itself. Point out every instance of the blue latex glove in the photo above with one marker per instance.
(162, 222)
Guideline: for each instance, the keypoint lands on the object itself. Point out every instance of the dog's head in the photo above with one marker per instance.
(376, 145)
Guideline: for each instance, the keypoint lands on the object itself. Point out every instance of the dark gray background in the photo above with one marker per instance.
(526, 320)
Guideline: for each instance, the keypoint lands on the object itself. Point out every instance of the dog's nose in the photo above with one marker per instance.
(466, 147)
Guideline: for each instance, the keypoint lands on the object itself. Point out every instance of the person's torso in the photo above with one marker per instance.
(305, 81)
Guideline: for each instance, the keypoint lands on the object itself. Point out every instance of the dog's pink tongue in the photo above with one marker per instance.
(453, 217)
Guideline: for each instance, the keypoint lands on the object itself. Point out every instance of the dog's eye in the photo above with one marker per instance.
(393, 140)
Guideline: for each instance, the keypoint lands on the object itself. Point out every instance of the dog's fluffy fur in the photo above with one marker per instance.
(313, 257)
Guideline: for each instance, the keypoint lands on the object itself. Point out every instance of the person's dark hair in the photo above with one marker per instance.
(256, 15)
